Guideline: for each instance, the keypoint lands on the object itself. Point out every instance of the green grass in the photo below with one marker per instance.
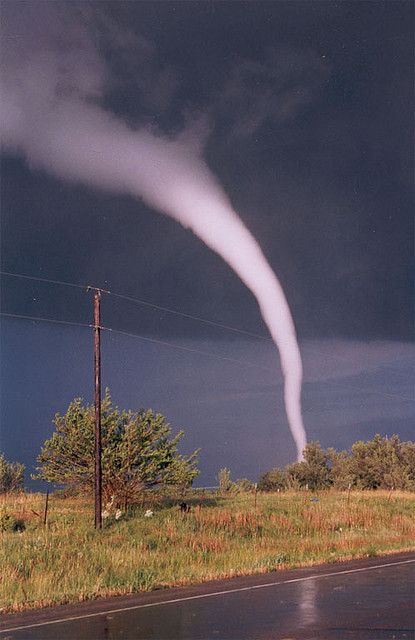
(68, 560)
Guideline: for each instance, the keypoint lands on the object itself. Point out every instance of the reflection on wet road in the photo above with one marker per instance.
(308, 613)
(334, 603)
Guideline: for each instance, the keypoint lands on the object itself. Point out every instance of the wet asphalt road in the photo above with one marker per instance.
(372, 599)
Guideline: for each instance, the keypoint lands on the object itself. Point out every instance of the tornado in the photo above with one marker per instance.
(51, 115)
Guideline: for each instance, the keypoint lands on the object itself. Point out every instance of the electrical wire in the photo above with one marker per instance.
(41, 319)
(209, 354)
(171, 311)
(139, 337)
(25, 277)
(190, 349)
(345, 387)
(188, 316)
(142, 302)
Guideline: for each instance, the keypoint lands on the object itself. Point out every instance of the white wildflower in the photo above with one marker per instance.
(105, 514)
(148, 513)
(118, 514)
(110, 504)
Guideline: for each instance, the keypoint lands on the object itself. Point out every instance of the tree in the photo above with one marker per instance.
(227, 485)
(312, 472)
(274, 480)
(243, 485)
(342, 474)
(11, 475)
(408, 462)
(225, 482)
(138, 452)
(383, 463)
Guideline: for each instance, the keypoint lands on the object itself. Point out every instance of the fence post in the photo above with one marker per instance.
(45, 513)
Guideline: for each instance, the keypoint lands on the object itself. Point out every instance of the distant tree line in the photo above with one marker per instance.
(381, 463)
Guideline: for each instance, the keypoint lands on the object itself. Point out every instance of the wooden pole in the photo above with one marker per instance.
(45, 513)
(97, 368)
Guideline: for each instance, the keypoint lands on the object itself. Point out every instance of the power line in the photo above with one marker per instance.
(188, 316)
(346, 388)
(25, 277)
(164, 343)
(139, 337)
(183, 348)
(40, 319)
(142, 302)
(167, 310)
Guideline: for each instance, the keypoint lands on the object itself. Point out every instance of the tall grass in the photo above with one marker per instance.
(67, 560)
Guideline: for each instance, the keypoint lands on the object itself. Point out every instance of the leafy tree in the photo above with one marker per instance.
(383, 463)
(274, 480)
(366, 463)
(408, 462)
(342, 475)
(318, 471)
(313, 472)
(296, 475)
(243, 485)
(138, 452)
(11, 475)
(225, 483)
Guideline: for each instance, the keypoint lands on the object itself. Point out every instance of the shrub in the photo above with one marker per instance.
(225, 483)
(9, 523)
(313, 472)
(274, 480)
(243, 485)
(11, 475)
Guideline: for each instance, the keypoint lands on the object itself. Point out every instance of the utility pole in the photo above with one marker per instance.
(97, 370)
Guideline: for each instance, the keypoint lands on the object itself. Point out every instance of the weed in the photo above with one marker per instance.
(69, 561)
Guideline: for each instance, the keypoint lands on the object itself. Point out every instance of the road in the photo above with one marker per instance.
(370, 599)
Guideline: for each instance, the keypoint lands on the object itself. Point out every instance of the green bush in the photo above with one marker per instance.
(274, 480)
(9, 523)
(225, 483)
(11, 475)
(243, 485)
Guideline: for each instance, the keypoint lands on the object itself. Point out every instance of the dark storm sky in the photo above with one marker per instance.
(305, 110)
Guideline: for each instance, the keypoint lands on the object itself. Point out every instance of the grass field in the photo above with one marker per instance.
(68, 561)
